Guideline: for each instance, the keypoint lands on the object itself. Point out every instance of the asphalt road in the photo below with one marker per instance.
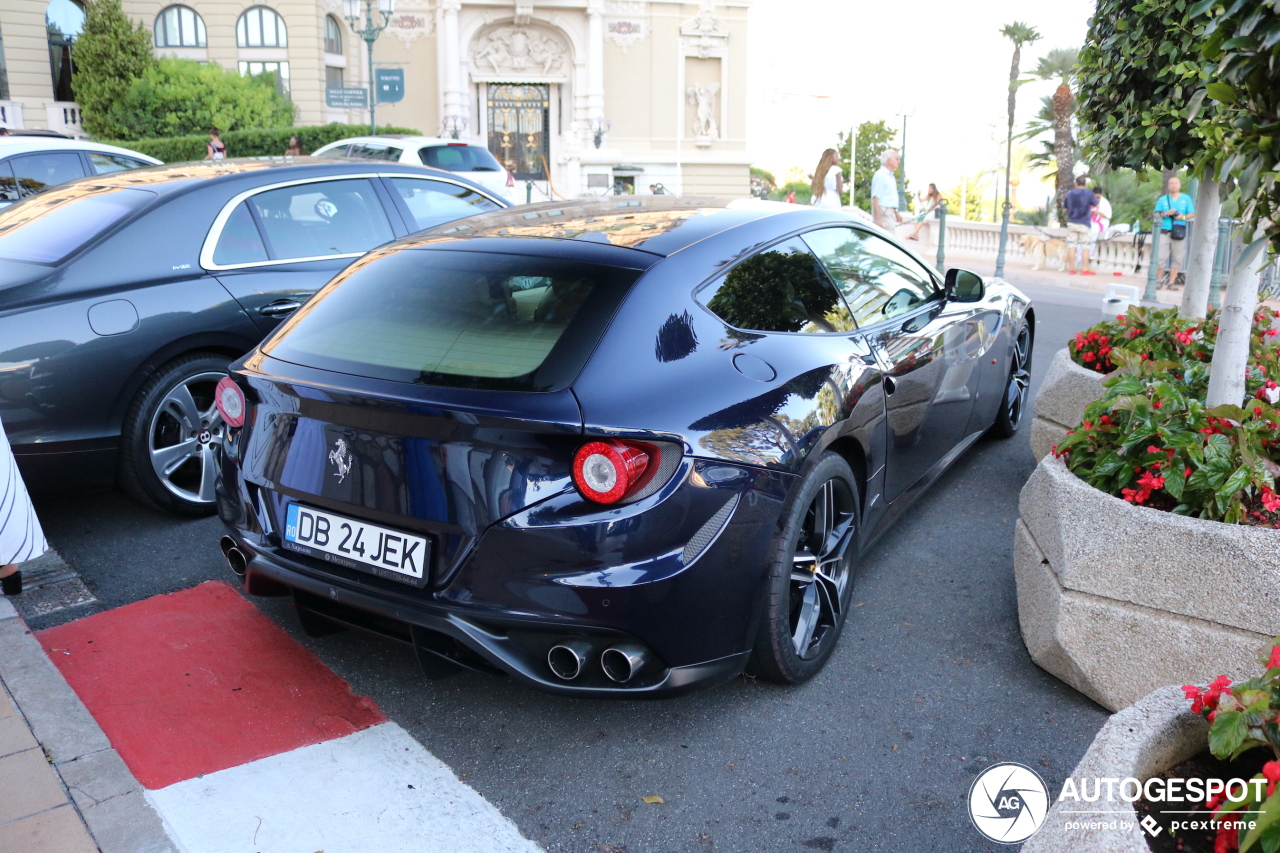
(930, 684)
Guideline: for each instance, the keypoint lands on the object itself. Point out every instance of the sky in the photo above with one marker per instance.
(817, 66)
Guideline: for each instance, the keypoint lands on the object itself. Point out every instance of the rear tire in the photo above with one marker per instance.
(1014, 404)
(811, 576)
(168, 456)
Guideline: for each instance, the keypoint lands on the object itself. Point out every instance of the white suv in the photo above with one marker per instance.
(476, 164)
(30, 164)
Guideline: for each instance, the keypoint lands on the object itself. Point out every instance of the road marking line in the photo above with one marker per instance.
(375, 790)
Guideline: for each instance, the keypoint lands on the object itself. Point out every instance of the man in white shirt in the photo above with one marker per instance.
(884, 193)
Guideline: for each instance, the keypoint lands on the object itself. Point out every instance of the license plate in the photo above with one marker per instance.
(379, 550)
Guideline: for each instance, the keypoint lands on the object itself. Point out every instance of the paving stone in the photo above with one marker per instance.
(29, 785)
(14, 735)
(57, 830)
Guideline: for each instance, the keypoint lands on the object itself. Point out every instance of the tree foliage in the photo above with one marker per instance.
(110, 53)
(179, 96)
(1242, 47)
(1060, 64)
(874, 138)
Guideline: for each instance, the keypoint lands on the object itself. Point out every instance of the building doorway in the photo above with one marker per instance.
(520, 128)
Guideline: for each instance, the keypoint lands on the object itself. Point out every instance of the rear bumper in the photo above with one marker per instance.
(503, 642)
(546, 575)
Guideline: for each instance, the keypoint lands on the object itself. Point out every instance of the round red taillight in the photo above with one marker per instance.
(230, 401)
(607, 471)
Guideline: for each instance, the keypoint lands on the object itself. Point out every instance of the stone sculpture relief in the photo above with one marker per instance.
(519, 50)
(703, 99)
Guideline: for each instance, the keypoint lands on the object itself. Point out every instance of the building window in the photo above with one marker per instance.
(332, 35)
(179, 26)
(261, 27)
(332, 76)
(279, 69)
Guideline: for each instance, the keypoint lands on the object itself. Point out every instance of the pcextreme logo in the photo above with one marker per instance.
(1008, 802)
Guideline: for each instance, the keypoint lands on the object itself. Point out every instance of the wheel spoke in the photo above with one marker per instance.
(807, 622)
(182, 406)
(208, 472)
(829, 594)
(166, 460)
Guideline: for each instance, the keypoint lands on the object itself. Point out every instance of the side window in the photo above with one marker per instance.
(879, 281)
(374, 151)
(782, 289)
(37, 172)
(321, 218)
(336, 151)
(239, 242)
(8, 186)
(105, 164)
(433, 202)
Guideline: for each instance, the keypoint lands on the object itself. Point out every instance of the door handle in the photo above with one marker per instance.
(279, 308)
(889, 385)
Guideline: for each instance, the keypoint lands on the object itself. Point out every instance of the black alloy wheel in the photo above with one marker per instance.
(1009, 418)
(811, 578)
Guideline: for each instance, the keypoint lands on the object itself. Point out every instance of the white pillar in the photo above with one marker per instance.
(595, 61)
(455, 99)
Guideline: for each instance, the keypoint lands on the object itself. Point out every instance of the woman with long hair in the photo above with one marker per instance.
(828, 182)
(295, 148)
(930, 202)
(217, 149)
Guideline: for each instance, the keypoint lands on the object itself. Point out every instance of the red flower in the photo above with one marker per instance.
(1227, 840)
(1196, 695)
(1216, 688)
(1186, 472)
(1271, 770)
(1157, 404)
(1151, 448)
(1274, 661)
(1257, 410)
(1105, 420)
(1133, 333)
(1088, 356)
(1120, 319)
(1088, 425)
(1143, 355)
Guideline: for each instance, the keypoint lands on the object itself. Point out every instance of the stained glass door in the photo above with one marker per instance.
(519, 128)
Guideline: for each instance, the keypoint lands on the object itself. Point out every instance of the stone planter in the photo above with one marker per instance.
(1117, 599)
(1060, 403)
(1147, 738)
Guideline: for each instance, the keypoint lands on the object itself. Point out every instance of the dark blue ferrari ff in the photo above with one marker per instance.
(611, 447)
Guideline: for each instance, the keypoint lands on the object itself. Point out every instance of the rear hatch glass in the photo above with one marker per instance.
(459, 158)
(49, 227)
(457, 318)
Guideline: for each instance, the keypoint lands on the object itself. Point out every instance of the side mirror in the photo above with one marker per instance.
(963, 286)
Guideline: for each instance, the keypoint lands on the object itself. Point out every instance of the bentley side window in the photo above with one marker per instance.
(782, 289)
(879, 281)
(432, 202)
(321, 218)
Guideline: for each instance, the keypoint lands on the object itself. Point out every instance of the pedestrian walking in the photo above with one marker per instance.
(21, 538)
(828, 181)
(1175, 209)
(930, 201)
(791, 197)
(884, 192)
(1079, 207)
(295, 147)
(216, 147)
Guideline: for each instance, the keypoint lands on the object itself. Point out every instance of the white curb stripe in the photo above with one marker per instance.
(349, 795)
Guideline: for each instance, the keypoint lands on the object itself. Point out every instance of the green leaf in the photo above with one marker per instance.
(1222, 92)
(1269, 816)
(1236, 482)
(1226, 733)
(1197, 101)
(1201, 7)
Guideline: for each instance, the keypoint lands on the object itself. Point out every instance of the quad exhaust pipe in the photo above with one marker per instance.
(623, 661)
(567, 659)
(236, 558)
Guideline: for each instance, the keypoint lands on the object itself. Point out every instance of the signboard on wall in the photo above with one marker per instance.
(390, 82)
(346, 97)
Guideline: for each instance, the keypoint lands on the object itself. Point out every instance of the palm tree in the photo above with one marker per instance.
(1020, 34)
(1060, 64)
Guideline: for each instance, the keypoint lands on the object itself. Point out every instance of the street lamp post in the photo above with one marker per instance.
(902, 160)
(369, 32)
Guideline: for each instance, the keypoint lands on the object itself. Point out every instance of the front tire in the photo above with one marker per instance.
(171, 435)
(811, 576)
(1014, 404)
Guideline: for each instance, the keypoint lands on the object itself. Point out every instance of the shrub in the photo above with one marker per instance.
(110, 54)
(182, 96)
(1162, 335)
(251, 143)
(1151, 440)
(1243, 717)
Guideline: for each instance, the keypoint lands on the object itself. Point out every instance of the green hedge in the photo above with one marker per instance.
(251, 143)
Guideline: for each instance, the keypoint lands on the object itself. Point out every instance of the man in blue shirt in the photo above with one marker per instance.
(884, 193)
(1079, 204)
(1173, 206)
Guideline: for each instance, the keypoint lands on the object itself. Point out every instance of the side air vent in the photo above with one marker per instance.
(708, 532)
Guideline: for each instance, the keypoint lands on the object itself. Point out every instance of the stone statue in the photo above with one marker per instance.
(703, 97)
(519, 50)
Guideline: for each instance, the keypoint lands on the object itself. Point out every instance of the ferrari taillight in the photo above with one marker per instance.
(230, 401)
(607, 471)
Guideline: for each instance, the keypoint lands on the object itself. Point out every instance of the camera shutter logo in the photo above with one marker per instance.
(1008, 803)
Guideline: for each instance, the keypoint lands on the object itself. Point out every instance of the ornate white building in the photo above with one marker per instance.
(578, 96)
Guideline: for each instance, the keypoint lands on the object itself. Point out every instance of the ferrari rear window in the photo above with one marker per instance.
(455, 318)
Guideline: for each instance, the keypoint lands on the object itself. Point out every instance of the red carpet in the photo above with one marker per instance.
(199, 681)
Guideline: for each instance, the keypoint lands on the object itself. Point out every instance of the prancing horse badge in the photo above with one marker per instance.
(341, 457)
